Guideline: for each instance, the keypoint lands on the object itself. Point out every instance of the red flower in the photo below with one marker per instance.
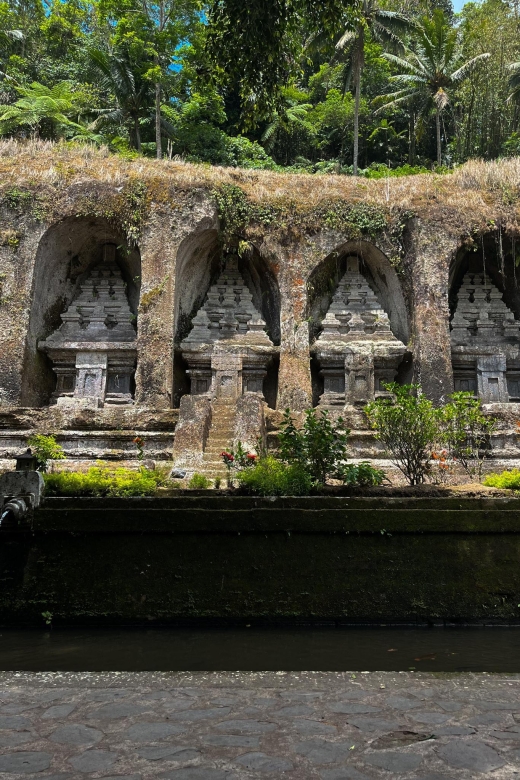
(227, 456)
(251, 457)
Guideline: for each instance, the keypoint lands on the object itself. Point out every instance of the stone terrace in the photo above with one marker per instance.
(226, 726)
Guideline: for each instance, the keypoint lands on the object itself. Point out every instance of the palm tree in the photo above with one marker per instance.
(383, 26)
(131, 100)
(284, 121)
(430, 72)
(514, 82)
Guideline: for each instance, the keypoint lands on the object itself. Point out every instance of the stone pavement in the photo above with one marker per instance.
(231, 726)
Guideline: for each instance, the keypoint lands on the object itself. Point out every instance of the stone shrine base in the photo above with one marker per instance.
(272, 725)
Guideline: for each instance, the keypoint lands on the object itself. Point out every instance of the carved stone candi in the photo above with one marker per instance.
(485, 341)
(356, 350)
(93, 352)
(228, 349)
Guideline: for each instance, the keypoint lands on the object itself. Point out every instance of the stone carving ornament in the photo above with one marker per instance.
(93, 352)
(485, 342)
(227, 349)
(356, 349)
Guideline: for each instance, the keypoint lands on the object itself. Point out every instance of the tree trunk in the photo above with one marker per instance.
(137, 134)
(438, 126)
(357, 89)
(158, 141)
(411, 134)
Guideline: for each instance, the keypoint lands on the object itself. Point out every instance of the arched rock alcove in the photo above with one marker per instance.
(484, 298)
(199, 264)
(382, 282)
(66, 255)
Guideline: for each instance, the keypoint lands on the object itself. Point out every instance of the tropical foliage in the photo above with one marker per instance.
(364, 86)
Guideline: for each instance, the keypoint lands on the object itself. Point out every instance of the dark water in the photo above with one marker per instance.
(252, 649)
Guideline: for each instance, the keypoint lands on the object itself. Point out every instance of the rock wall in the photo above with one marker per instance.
(236, 559)
(171, 225)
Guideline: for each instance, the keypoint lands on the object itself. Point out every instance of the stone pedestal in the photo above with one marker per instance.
(94, 350)
(357, 351)
(485, 339)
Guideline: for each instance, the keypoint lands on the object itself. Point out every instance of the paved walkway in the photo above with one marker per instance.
(229, 726)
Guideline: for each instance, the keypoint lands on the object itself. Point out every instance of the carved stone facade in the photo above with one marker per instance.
(485, 339)
(357, 351)
(228, 349)
(93, 352)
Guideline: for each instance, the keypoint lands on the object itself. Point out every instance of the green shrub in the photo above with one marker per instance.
(271, 477)
(507, 480)
(320, 445)
(362, 474)
(45, 448)
(199, 482)
(408, 426)
(465, 432)
(104, 481)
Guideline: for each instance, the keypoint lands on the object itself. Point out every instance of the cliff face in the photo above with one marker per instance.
(171, 223)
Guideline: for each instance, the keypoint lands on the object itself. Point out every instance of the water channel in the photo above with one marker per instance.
(472, 649)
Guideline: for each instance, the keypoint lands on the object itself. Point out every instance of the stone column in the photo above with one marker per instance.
(294, 377)
(153, 377)
(427, 266)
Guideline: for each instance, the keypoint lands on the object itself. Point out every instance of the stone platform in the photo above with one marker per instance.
(272, 725)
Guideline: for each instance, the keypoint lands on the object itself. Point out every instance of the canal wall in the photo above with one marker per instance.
(239, 560)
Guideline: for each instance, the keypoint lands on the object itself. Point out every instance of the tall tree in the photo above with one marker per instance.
(430, 72)
(131, 97)
(157, 28)
(368, 18)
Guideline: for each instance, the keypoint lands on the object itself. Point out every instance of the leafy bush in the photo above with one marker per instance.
(319, 446)
(465, 432)
(270, 477)
(104, 481)
(362, 474)
(507, 480)
(199, 482)
(45, 448)
(408, 426)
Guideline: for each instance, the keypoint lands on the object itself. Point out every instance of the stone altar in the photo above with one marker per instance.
(93, 352)
(356, 350)
(485, 342)
(228, 349)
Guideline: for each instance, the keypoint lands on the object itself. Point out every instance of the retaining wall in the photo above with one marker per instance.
(239, 559)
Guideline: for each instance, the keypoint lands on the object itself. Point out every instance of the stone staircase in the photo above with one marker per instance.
(220, 437)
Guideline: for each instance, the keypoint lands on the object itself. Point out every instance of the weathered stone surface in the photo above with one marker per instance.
(117, 710)
(10, 739)
(476, 756)
(58, 711)
(24, 762)
(94, 760)
(76, 734)
(321, 751)
(246, 726)
(207, 752)
(264, 763)
(151, 732)
(230, 740)
(400, 763)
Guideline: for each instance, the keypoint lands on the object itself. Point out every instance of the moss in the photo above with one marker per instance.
(140, 560)
(152, 295)
(237, 213)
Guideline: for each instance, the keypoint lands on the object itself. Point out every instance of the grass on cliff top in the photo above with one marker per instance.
(481, 190)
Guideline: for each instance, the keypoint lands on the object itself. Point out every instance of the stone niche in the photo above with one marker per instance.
(485, 342)
(93, 352)
(227, 350)
(356, 350)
